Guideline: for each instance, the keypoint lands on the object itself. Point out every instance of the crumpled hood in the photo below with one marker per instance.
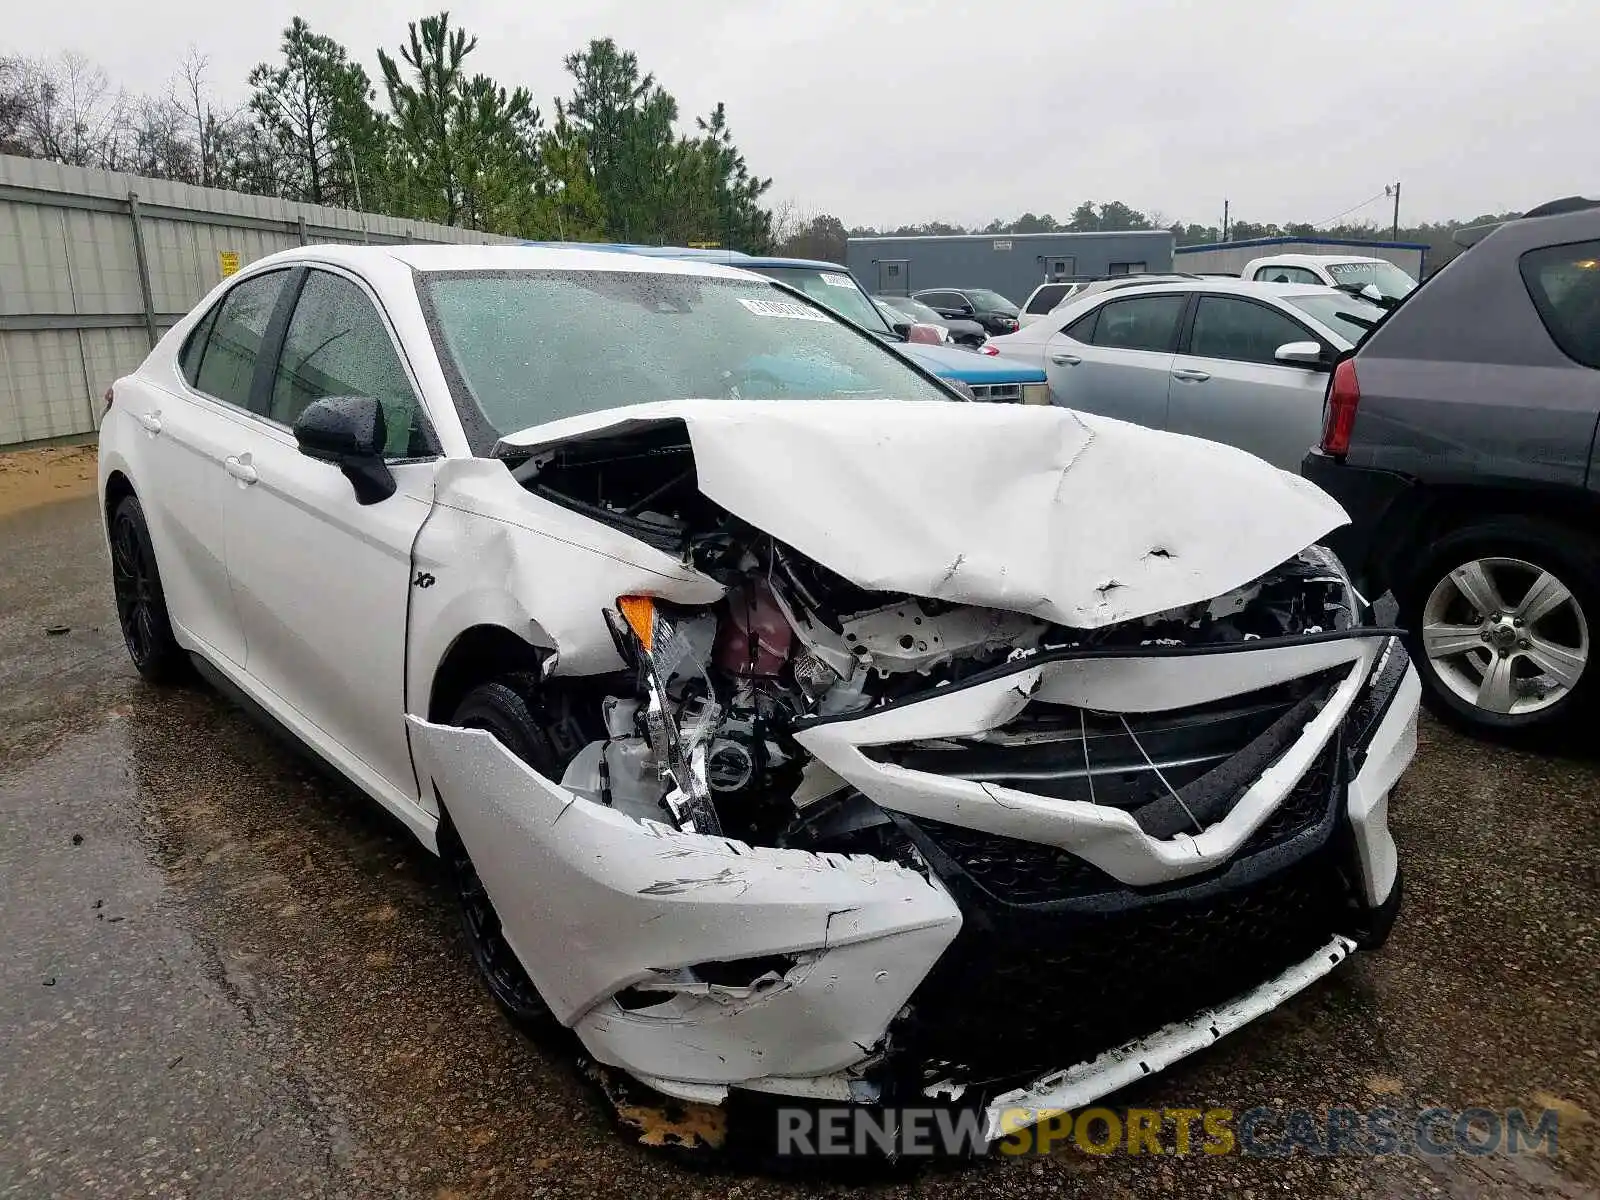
(1070, 517)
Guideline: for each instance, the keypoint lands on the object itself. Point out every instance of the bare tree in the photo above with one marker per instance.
(71, 115)
(209, 128)
(159, 144)
(14, 104)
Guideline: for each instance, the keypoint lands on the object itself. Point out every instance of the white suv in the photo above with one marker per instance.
(786, 726)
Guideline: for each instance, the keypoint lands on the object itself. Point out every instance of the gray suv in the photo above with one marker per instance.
(1460, 437)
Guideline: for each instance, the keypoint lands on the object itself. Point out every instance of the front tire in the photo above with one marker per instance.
(1500, 618)
(507, 708)
(141, 602)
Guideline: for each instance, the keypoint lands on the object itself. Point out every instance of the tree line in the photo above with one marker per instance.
(431, 139)
(823, 236)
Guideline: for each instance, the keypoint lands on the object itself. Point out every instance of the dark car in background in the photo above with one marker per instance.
(962, 333)
(988, 308)
(1460, 437)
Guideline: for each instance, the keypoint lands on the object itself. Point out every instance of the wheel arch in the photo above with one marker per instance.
(477, 654)
(1432, 512)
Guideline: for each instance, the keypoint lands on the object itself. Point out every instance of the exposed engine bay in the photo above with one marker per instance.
(705, 739)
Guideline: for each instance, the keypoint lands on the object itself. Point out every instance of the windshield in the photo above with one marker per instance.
(986, 301)
(1351, 318)
(832, 289)
(915, 309)
(1389, 279)
(525, 347)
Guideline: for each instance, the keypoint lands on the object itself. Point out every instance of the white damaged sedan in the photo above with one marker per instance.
(788, 727)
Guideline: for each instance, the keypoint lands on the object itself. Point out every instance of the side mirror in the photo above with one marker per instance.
(1301, 354)
(350, 432)
(930, 335)
(902, 328)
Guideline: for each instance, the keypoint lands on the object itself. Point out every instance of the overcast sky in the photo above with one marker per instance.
(911, 110)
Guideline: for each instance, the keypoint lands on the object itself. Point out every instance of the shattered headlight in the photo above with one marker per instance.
(672, 652)
(1350, 608)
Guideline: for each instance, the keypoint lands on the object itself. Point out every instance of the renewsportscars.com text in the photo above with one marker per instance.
(851, 1131)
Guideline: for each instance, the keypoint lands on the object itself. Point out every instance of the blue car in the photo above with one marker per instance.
(985, 377)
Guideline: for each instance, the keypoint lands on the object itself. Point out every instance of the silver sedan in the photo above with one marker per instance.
(1236, 362)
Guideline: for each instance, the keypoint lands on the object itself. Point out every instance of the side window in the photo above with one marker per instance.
(194, 347)
(233, 343)
(1047, 297)
(1140, 323)
(938, 299)
(1082, 330)
(1285, 275)
(1240, 330)
(1564, 284)
(337, 345)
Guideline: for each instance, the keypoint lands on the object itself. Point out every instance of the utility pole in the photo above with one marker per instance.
(1224, 220)
(1394, 234)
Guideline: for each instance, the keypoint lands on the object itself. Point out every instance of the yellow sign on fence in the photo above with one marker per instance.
(228, 260)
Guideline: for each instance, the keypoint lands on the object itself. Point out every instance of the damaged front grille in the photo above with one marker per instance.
(1022, 991)
(1168, 770)
(1015, 872)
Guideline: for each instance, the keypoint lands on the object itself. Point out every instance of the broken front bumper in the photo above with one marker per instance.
(1045, 932)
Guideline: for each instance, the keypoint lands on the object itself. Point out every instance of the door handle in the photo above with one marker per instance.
(239, 469)
(151, 421)
(1065, 360)
(1190, 375)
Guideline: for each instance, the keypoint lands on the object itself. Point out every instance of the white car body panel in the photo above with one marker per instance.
(961, 542)
(336, 617)
(596, 901)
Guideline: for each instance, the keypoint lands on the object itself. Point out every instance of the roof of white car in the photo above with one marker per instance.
(1228, 286)
(501, 258)
(1312, 260)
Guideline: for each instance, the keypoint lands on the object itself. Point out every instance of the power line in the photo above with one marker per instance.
(1351, 209)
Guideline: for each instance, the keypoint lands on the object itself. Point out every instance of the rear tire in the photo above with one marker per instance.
(1503, 623)
(507, 708)
(141, 603)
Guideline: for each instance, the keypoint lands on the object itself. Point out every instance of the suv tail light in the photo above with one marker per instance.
(1344, 396)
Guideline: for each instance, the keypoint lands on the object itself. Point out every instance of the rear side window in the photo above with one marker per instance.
(1048, 297)
(1082, 330)
(1242, 331)
(1285, 275)
(1564, 283)
(233, 343)
(1140, 323)
(940, 299)
(189, 356)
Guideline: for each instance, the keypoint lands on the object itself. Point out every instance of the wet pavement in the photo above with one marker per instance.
(225, 974)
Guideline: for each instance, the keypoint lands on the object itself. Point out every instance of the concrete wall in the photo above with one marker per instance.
(1231, 257)
(95, 265)
(1012, 264)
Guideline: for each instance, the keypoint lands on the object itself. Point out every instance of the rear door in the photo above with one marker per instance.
(1228, 386)
(1117, 359)
(189, 429)
(323, 582)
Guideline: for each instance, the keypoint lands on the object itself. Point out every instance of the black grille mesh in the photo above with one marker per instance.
(1030, 992)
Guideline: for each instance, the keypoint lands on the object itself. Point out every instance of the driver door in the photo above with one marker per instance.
(322, 582)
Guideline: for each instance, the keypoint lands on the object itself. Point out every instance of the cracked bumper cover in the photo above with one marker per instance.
(594, 902)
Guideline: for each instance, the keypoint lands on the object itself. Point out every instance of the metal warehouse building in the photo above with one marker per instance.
(1231, 257)
(1012, 264)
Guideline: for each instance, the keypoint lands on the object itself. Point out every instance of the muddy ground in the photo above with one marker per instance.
(223, 974)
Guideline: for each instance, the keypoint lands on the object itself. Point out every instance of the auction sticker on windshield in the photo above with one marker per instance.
(843, 281)
(781, 308)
